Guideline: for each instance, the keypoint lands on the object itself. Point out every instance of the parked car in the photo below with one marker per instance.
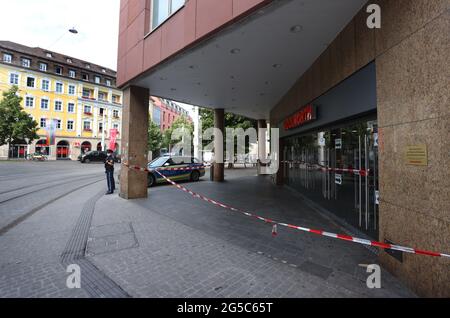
(165, 164)
(93, 156)
(96, 156)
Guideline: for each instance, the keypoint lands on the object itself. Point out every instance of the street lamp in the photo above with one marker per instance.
(72, 30)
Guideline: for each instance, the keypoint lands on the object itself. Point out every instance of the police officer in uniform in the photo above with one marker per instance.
(109, 170)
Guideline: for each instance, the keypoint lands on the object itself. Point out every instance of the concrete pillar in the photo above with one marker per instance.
(133, 183)
(219, 123)
(262, 124)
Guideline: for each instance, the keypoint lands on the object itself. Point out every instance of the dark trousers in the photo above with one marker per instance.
(110, 180)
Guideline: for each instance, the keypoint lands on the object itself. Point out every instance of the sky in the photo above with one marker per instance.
(45, 23)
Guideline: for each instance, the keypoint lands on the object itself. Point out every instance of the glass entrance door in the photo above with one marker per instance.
(338, 168)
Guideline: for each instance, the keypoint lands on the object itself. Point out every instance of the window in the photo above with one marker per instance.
(58, 124)
(87, 109)
(103, 70)
(7, 58)
(86, 93)
(43, 122)
(45, 85)
(163, 9)
(86, 125)
(97, 80)
(88, 66)
(85, 77)
(71, 89)
(44, 103)
(108, 82)
(14, 79)
(70, 125)
(115, 126)
(26, 62)
(101, 96)
(115, 113)
(58, 70)
(59, 88)
(29, 101)
(69, 60)
(101, 111)
(100, 126)
(71, 107)
(72, 73)
(58, 106)
(116, 99)
(43, 67)
(30, 81)
(48, 54)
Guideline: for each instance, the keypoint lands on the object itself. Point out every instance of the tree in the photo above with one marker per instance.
(180, 122)
(231, 121)
(154, 138)
(15, 124)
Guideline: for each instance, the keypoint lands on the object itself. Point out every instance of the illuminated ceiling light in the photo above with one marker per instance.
(296, 28)
(191, 67)
(235, 51)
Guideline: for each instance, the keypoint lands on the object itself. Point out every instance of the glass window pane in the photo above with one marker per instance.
(160, 11)
(176, 4)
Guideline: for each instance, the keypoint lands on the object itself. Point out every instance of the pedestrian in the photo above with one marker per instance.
(109, 170)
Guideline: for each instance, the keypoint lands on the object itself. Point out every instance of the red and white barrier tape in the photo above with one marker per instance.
(164, 168)
(361, 172)
(304, 229)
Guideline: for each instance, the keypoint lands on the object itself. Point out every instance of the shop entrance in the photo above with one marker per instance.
(338, 168)
(62, 150)
(18, 151)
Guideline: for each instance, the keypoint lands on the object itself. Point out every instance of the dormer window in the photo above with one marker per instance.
(69, 60)
(7, 58)
(88, 66)
(48, 54)
(85, 77)
(58, 70)
(103, 70)
(26, 62)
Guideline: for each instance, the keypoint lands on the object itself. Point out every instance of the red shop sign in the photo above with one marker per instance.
(303, 116)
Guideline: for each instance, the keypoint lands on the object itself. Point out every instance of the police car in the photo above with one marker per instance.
(176, 168)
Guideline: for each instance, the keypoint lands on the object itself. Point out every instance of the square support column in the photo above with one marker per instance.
(133, 183)
(262, 153)
(219, 123)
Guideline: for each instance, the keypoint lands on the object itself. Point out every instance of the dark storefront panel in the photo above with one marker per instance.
(342, 135)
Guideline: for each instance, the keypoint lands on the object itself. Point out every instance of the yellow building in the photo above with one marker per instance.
(80, 97)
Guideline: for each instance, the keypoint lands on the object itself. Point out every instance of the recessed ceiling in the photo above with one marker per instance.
(248, 67)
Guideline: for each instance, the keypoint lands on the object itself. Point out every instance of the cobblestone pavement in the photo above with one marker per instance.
(171, 245)
(30, 264)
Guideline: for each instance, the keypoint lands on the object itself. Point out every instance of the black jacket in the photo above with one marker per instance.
(109, 163)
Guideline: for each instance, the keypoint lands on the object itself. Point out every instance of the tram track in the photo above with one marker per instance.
(40, 183)
(44, 188)
(92, 180)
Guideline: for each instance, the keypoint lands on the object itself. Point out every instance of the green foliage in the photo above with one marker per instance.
(231, 121)
(180, 122)
(154, 138)
(15, 123)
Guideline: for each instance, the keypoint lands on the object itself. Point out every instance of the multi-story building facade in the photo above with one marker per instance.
(349, 84)
(164, 112)
(78, 96)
